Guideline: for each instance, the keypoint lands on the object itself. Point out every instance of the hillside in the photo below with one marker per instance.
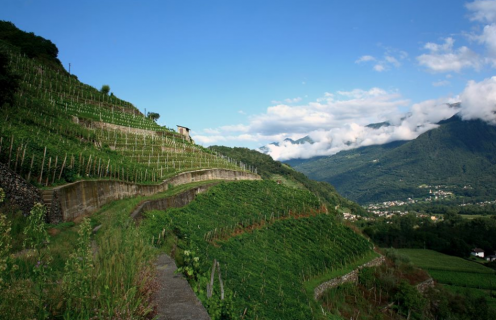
(268, 237)
(269, 169)
(55, 129)
(459, 154)
(269, 240)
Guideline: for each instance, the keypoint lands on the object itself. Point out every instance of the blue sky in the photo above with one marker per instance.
(246, 73)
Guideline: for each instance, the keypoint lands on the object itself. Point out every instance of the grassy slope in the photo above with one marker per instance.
(457, 274)
(266, 253)
(456, 153)
(277, 171)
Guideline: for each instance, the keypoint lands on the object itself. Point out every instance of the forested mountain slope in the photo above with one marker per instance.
(458, 153)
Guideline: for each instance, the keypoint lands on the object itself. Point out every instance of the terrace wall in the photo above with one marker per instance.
(18, 190)
(349, 277)
(85, 197)
(176, 201)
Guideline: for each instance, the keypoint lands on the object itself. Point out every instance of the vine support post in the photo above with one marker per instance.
(30, 168)
(42, 165)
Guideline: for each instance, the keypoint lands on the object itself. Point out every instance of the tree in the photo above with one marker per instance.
(8, 81)
(409, 299)
(105, 89)
(153, 115)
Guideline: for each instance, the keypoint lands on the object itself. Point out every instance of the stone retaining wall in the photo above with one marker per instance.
(85, 197)
(424, 286)
(18, 190)
(349, 277)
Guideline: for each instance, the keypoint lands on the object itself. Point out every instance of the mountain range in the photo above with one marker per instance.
(459, 154)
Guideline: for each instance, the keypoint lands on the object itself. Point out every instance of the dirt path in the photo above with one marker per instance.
(175, 299)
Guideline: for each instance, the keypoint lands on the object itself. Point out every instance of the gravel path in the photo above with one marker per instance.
(175, 299)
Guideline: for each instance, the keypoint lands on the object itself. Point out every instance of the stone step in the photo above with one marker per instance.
(47, 196)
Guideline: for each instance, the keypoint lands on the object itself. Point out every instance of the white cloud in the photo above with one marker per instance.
(482, 10)
(391, 59)
(235, 128)
(338, 121)
(423, 117)
(294, 100)
(379, 67)
(365, 59)
(441, 83)
(211, 131)
(478, 101)
(488, 38)
(443, 58)
(331, 111)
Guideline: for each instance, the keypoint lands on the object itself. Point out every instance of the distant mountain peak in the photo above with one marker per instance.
(306, 139)
(378, 125)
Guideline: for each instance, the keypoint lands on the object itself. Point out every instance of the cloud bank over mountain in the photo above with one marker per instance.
(339, 120)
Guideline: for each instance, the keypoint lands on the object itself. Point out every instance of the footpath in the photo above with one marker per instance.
(175, 299)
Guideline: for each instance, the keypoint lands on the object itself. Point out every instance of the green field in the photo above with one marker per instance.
(457, 274)
(476, 293)
(432, 260)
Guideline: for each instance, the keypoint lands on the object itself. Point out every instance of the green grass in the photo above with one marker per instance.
(432, 260)
(314, 282)
(286, 182)
(472, 216)
(465, 279)
(452, 270)
(472, 292)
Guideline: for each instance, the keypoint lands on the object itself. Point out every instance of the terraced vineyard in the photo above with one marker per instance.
(61, 130)
(269, 239)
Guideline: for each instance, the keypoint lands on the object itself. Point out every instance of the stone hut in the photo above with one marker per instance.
(185, 132)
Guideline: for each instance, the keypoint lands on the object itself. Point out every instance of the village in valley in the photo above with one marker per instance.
(389, 209)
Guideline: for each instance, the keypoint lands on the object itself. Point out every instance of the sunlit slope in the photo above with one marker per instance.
(269, 169)
(60, 130)
(268, 238)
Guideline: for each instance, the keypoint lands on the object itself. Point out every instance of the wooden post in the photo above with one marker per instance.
(42, 165)
(221, 283)
(30, 167)
(55, 168)
(17, 159)
(23, 154)
(210, 286)
(88, 165)
(48, 171)
(63, 164)
(10, 150)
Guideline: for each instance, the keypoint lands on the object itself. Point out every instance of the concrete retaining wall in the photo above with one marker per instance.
(349, 277)
(176, 201)
(85, 197)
